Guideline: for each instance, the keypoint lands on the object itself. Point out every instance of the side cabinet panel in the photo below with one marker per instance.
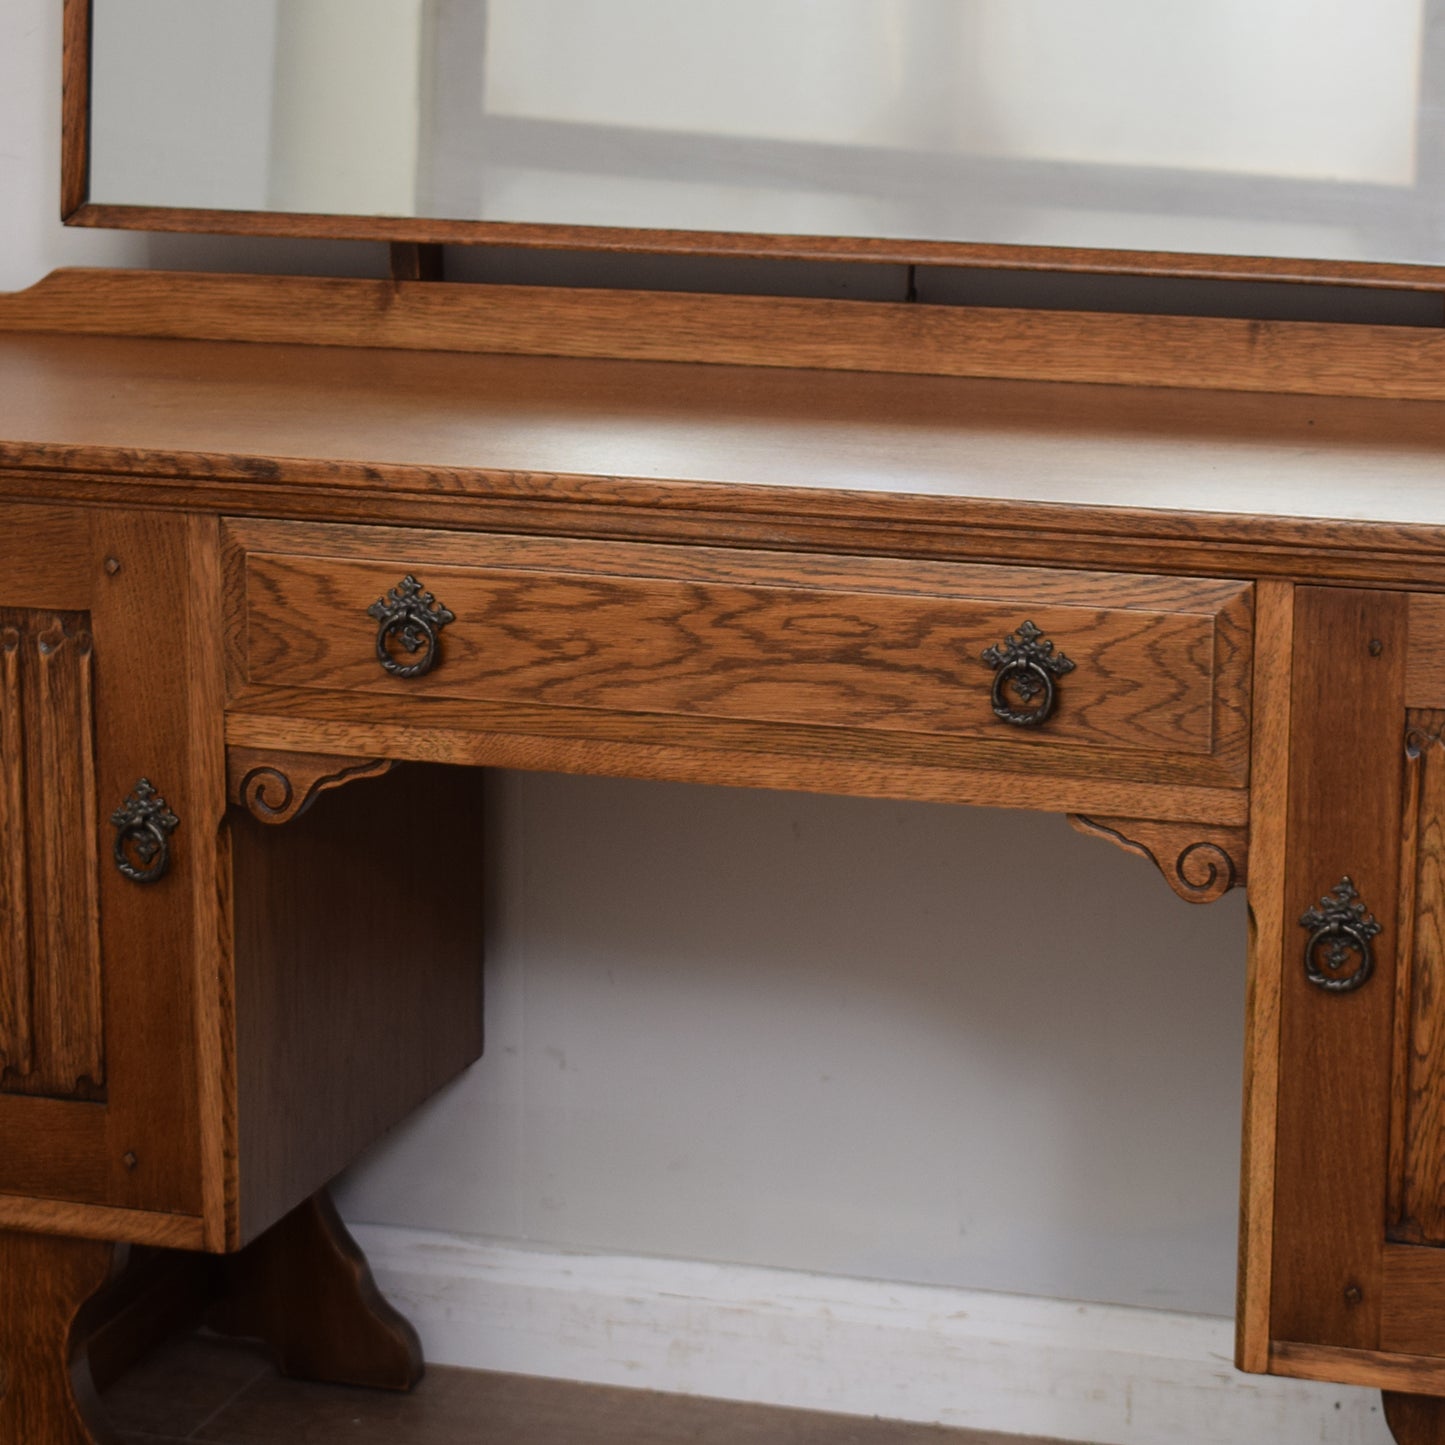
(99, 995)
(1357, 1262)
(1346, 767)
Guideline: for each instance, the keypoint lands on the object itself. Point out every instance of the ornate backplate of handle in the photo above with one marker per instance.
(1340, 932)
(411, 619)
(143, 826)
(1025, 666)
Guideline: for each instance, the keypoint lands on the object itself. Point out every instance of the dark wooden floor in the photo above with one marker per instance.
(200, 1388)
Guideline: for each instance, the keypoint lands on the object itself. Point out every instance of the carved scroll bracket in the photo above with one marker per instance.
(1199, 861)
(277, 787)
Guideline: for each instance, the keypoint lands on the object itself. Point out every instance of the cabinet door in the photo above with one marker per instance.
(104, 979)
(1344, 1190)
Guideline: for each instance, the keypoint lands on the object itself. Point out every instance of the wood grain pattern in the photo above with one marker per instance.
(447, 732)
(769, 331)
(866, 752)
(37, 1214)
(925, 467)
(1412, 1321)
(358, 975)
(1374, 554)
(1345, 800)
(897, 251)
(1400, 1064)
(67, 995)
(212, 964)
(1417, 1164)
(48, 1394)
(75, 108)
(50, 996)
(16, 1046)
(594, 634)
(1269, 923)
(851, 747)
(128, 577)
(1200, 863)
(145, 729)
(1425, 680)
(1372, 1369)
(297, 412)
(276, 787)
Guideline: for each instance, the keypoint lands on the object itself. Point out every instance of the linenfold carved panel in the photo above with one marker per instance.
(51, 1034)
(1416, 1211)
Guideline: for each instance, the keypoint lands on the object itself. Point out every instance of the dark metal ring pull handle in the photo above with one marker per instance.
(1340, 932)
(1025, 666)
(410, 619)
(143, 826)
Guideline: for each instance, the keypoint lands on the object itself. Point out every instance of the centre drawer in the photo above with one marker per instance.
(1094, 664)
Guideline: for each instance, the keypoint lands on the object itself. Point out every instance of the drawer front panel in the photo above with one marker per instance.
(1159, 663)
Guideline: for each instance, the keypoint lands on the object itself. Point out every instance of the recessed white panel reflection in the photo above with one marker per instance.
(1278, 127)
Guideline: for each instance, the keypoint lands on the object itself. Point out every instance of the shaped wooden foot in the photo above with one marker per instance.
(1415, 1419)
(304, 1289)
(46, 1392)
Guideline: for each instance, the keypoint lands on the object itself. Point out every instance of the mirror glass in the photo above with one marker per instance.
(1298, 128)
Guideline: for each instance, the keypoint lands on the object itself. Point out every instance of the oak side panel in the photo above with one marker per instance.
(1345, 796)
(752, 566)
(137, 1151)
(211, 922)
(141, 680)
(1268, 908)
(1417, 1155)
(358, 974)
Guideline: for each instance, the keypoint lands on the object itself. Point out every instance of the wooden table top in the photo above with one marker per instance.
(104, 402)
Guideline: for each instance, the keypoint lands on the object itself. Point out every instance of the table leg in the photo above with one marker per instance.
(46, 1391)
(1415, 1419)
(305, 1289)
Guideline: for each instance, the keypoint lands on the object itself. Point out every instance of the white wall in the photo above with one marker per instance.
(32, 240)
(900, 1041)
(1321, 88)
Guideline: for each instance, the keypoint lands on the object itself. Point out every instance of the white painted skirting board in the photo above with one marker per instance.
(1097, 1373)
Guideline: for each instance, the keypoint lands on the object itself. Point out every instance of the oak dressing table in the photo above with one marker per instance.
(245, 578)
(285, 563)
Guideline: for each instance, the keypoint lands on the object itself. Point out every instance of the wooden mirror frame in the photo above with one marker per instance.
(78, 210)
